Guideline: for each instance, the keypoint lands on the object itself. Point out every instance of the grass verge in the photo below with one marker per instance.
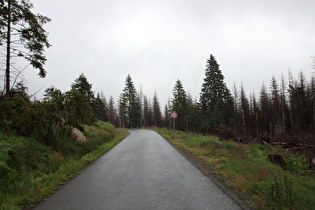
(22, 186)
(245, 168)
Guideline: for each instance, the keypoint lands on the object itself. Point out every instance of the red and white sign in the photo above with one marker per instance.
(174, 115)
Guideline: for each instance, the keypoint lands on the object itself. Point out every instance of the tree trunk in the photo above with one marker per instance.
(257, 123)
(8, 57)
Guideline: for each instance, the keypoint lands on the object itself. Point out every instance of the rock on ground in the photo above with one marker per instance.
(78, 135)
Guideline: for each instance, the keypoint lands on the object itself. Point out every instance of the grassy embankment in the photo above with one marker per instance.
(30, 171)
(246, 169)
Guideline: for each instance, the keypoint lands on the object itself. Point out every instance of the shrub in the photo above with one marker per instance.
(280, 194)
(22, 117)
(5, 148)
(25, 162)
(28, 153)
(296, 163)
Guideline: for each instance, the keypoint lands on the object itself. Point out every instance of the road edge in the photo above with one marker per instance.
(34, 205)
(218, 180)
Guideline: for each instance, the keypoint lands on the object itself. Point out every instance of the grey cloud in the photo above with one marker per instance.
(160, 41)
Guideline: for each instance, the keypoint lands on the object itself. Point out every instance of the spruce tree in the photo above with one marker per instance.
(179, 104)
(157, 115)
(150, 114)
(122, 110)
(145, 111)
(275, 101)
(111, 111)
(264, 110)
(79, 102)
(166, 117)
(213, 86)
(82, 85)
(254, 111)
(23, 35)
(245, 111)
(216, 101)
(132, 105)
(100, 108)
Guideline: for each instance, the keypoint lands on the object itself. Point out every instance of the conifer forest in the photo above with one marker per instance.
(284, 107)
(37, 139)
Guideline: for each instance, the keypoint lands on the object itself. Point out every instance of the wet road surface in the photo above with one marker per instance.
(142, 172)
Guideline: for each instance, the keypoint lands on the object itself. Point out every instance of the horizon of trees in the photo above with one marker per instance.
(281, 107)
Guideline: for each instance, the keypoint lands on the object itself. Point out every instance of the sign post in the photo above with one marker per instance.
(174, 115)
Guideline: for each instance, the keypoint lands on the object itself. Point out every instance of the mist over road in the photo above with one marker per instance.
(142, 172)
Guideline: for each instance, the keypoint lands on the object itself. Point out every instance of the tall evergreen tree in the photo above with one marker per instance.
(254, 110)
(23, 34)
(133, 107)
(122, 110)
(103, 98)
(157, 115)
(150, 114)
(82, 85)
(215, 98)
(298, 105)
(179, 104)
(111, 111)
(99, 107)
(228, 108)
(140, 97)
(193, 116)
(213, 86)
(244, 110)
(145, 111)
(236, 98)
(275, 101)
(264, 109)
(166, 117)
(79, 102)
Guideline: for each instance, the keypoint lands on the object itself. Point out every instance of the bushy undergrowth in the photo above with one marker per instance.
(30, 169)
(246, 168)
(19, 116)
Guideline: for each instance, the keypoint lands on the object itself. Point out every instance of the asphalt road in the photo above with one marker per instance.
(142, 172)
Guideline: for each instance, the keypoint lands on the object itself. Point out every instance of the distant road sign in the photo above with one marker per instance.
(174, 115)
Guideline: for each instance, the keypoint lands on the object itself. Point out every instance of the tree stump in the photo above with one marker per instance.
(278, 160)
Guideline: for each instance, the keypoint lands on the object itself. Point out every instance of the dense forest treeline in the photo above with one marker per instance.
(282, 107)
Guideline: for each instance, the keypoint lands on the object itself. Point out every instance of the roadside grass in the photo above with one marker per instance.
(30, 171)
(247, 169)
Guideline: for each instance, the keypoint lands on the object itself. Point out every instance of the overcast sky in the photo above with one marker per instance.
(157, 42)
